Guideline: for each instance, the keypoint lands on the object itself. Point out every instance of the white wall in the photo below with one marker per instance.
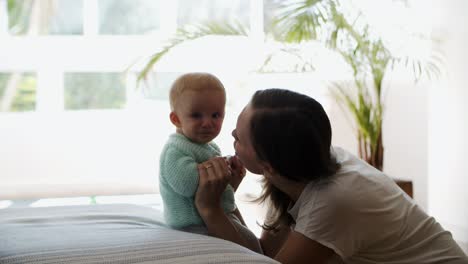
(448, 125)
(405, 138)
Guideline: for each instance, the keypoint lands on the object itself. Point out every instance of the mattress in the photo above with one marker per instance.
(108, 234)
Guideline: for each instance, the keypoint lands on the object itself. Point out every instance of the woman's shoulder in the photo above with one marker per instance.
(346, 159)
(354, 169)
(355, 182)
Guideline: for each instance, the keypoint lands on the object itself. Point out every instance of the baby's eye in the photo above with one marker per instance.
(216, 115)
(196, 115)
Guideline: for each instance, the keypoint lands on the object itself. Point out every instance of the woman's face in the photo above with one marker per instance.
(243, 144)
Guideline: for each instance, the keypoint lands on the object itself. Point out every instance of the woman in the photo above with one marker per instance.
(325, 204)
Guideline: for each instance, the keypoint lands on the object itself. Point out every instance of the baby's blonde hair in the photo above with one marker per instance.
(194, 81)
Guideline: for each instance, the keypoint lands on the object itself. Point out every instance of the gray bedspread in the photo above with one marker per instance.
(107, 234)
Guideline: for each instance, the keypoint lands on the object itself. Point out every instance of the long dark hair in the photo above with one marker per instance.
(291, 132)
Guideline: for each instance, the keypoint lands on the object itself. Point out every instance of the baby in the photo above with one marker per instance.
(197, 103)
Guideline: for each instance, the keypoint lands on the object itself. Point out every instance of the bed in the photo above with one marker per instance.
(112, 233)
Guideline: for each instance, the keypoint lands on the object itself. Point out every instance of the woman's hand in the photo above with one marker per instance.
(238, 171)
(215, 174)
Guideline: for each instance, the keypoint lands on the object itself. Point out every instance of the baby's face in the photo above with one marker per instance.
(201, 115)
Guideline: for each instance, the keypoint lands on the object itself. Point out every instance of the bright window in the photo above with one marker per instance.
(73, 122)
(17, 91)
(94, 91)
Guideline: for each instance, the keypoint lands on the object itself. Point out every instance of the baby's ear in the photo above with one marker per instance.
(174, 119)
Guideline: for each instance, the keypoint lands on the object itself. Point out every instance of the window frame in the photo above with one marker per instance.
(51, 56)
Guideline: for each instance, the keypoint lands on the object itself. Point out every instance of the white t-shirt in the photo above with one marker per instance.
(365, 217)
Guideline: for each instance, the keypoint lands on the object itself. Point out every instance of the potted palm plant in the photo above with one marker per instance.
(299, 21)
(364, 51)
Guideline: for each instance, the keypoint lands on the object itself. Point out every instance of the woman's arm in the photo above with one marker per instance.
(290, 247)
(219, 225)
(298, 249)
(214, 177)
(286, 246)
(273, 241)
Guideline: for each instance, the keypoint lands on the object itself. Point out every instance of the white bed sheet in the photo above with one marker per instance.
(107, 234)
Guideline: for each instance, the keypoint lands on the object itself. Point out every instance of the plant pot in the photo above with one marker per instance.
(406, 186)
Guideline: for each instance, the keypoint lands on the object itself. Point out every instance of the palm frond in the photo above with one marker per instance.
(367, 117)
(429, 66)
(296, 61)
(300, 20)
(189, 33)
(19, 15)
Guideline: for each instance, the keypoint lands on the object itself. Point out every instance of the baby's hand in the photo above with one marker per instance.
(237, 169)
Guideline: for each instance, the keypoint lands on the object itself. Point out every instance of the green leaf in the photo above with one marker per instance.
(189, 33)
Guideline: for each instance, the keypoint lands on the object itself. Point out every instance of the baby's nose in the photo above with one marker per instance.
(207, 122)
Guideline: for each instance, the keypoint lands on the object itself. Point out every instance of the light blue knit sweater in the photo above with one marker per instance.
(178, 180)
